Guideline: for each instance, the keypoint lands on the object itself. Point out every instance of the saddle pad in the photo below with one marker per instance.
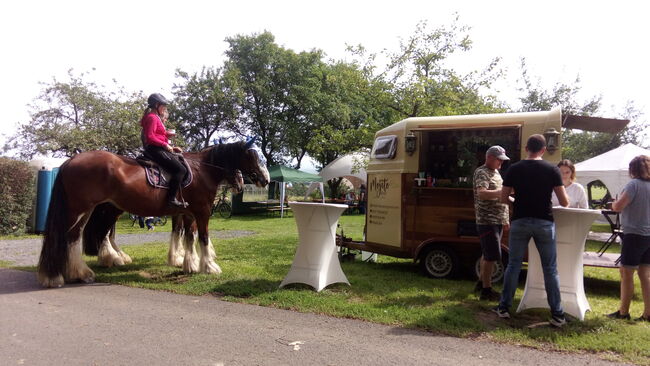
(160, 178)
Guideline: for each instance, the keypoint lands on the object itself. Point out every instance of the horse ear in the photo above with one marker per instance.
(250, 142)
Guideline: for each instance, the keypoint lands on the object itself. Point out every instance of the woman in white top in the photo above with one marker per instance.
(575, 191)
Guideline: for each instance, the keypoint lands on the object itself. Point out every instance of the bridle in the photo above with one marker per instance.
(236, 173)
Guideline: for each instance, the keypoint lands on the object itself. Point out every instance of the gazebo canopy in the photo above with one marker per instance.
(281, 173)
(611, 167)
(344, 166)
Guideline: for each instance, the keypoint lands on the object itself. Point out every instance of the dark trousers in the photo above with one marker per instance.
(171, 164)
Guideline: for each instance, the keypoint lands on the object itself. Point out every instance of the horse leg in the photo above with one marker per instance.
(207, 262)
(191, 260)
(99, 236)
(110, 254)
(76, 268)
(125, 257)
(176, 250)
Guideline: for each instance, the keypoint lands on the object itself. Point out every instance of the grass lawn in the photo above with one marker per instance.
(389, 292)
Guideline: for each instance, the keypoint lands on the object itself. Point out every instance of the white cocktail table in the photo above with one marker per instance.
(572, 226)
(316, 262)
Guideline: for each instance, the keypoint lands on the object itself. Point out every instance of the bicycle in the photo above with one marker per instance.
(157, 221)
(222, 206)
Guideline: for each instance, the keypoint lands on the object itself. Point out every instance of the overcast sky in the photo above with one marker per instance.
(141, 43)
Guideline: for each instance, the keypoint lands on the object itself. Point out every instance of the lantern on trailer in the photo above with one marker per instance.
(410, 142)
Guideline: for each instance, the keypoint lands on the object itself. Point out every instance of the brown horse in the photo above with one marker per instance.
(101, 185)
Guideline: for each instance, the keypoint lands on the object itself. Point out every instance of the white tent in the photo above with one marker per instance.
(611, 167)
(349, 166)
(344, 166)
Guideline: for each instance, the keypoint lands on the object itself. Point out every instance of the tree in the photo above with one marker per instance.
(351, 109)
(17, 195)
(204, 103)
(421, 83)
(276, 84)
(74, 116)
(579, 145)
(535, 98)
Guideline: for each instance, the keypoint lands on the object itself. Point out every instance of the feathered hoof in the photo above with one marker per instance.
(126, 258)
(175, 261)
(110, 261)
(108, 257)
(210, 267)
(85, 275)
(88, 279)
(48, 282)
(190, 265)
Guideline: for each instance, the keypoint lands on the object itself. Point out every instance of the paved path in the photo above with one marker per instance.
(103, 324)
(25, 252)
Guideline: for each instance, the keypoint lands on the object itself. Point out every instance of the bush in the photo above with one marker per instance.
(16, 195)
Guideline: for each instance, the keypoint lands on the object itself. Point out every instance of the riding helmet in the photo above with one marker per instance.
(155, 99)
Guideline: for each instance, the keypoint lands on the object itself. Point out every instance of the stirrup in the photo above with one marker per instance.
(176, 203)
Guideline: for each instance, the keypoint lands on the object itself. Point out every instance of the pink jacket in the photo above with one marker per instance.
(154, 132)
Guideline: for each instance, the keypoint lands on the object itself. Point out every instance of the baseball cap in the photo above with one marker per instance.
(498, 152)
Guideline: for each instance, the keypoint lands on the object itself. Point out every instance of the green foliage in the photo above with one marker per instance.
(278, 86)
(536, 98)
(75, 116)
(352, 109)
(204, 104)
(420, 82)
(300, 105)
(17, 194)
(579, 145)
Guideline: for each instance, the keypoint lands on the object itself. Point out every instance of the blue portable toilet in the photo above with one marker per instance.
(44, 184)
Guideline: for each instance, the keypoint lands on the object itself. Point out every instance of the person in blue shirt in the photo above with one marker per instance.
(634, 206)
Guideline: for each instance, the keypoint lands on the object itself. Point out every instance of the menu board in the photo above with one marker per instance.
(384, 209)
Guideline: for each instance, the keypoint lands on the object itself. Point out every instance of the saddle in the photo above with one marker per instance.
(158, 177)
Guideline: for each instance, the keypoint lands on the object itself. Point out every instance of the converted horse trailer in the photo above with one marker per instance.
(420, 198)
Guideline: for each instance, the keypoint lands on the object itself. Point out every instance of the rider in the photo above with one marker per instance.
(156, 145)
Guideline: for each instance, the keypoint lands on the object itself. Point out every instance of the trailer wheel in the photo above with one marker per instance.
(499, 268)
(439, 262)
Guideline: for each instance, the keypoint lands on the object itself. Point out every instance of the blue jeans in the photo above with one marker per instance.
(543, 233)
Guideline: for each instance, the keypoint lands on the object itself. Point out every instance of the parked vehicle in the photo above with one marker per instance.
(420, 198)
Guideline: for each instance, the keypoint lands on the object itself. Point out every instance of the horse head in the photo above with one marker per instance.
(253, 164)
(239, 160)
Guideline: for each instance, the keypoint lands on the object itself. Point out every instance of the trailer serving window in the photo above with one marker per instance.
(451, 156)
(384, 147)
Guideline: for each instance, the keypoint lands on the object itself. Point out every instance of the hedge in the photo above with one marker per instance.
(17, 193)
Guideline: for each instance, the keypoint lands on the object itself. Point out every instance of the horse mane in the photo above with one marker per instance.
(225, 155)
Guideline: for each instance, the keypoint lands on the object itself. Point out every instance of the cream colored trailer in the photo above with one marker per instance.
(435, 223)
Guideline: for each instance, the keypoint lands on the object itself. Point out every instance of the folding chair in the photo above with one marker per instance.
(615, 227)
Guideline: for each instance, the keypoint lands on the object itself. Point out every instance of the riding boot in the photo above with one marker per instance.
(171, 198)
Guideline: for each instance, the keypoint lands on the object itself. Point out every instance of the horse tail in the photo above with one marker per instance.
(54, 254)
(100, 224)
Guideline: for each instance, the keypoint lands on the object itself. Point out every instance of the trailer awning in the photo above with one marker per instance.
(595, 124)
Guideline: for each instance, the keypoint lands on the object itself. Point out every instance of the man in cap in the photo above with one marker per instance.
(491, 217)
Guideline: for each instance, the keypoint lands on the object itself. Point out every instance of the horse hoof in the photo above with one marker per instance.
(190, 267)
(111, 261)
(175, 261)
(211, 268)
(48, 282)
(126, 258)
(89, 279)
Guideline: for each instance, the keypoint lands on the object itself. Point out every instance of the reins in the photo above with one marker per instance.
(203, 163)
